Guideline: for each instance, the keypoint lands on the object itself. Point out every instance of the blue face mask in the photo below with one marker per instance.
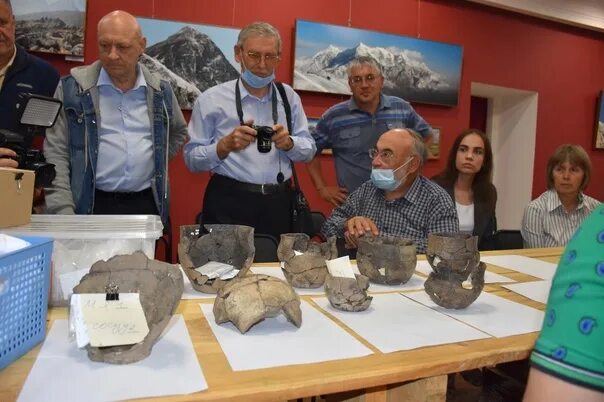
(384, 178)
(255, 81)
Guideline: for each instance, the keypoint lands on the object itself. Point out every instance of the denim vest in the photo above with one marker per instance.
(84, 144)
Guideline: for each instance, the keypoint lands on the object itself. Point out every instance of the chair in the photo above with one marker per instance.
(318, 219)
(166, 240)
(266, 248)
(508, 240)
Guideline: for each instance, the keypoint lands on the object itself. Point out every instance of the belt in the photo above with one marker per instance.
(123, 195)
(263, 189)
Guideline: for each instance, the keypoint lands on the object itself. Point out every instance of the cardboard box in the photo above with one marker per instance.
(16, 196)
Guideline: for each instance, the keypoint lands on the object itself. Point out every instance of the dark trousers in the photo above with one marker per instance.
(227, 203)
(118, 203)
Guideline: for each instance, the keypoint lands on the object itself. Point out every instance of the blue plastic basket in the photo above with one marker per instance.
(24, 282)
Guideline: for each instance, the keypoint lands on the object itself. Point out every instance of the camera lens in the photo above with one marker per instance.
(264, 136)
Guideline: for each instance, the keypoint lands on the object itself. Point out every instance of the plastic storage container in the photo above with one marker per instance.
(24, 282)
(82, 240)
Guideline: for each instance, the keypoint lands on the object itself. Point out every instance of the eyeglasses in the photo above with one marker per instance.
(269, 58)
(386, 155)
(358, 80)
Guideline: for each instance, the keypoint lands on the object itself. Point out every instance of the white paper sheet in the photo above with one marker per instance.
(489, 277)
(527, 265)
(277, 273)
(393, 323)
(538, 291)
(276, 342)
(62, 372)
(340, 267)
(492, 314)
(189, 292)
(416, 282)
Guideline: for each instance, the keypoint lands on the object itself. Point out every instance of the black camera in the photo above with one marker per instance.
(264, 135)
(35, 113)
(28, 159)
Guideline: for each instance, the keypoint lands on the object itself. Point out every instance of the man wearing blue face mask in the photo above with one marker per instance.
(239, 133)
(397, 200)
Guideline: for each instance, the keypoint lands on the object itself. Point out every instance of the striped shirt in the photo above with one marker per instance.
(426, 208)
(547, 224)
(350, 132)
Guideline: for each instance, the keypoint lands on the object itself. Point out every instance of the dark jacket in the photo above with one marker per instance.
(27, 74)
(485, 224)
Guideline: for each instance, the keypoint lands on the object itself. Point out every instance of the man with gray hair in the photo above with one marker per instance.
(20, 73)
(352, 127)
(239, 132)
(398, 200)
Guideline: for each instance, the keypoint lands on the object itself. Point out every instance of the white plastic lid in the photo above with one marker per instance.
(91, 227)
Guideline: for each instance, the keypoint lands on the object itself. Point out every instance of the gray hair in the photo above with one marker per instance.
(363, 61)
(259, 29)
(419, 146)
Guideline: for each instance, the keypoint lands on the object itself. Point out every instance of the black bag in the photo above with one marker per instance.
(302, 221)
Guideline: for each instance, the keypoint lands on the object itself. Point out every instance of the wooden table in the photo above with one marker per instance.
(418, 374)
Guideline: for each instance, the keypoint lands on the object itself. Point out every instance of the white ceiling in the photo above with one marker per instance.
(587, 14)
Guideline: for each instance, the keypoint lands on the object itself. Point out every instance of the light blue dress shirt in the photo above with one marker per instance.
(125, 159)
(215, 116)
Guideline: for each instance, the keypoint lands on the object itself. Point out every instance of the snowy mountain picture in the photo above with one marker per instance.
(51, 27)
(414, 69)
(191, 57)
(599, 129)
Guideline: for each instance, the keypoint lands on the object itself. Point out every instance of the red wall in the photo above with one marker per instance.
(563, 64)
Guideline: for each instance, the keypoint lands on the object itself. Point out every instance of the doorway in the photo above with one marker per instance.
(511, 125)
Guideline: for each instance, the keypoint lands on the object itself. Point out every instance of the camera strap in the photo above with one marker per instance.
(280, 176)
(240, 108)
(288, 117)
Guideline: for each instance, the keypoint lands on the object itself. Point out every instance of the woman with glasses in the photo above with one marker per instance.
(467, 179)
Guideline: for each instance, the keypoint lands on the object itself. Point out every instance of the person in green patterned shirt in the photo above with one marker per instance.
(568, 361)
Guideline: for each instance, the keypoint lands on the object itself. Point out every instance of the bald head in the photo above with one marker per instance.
(410, 141)
(121, 43)
(121, 20)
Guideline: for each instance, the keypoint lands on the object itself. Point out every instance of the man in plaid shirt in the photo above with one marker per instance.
(397, 200)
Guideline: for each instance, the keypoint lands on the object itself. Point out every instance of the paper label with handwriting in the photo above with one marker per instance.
(340, 267)
(113, 322)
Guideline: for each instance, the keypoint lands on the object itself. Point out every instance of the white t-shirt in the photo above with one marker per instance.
(465, 213)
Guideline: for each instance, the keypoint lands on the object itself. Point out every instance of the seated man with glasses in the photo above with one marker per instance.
(353, 126)
(397, 200)
(239, 132)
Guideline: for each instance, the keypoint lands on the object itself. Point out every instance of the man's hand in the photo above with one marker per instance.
(357, 227)
(333, 194)
(240, 138)
(281, 138)
(6, 160)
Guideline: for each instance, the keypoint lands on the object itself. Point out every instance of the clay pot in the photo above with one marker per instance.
(307, 270)
(348, 294)
(386, 259)
(229, 244)
(160, 288)
(454, 258)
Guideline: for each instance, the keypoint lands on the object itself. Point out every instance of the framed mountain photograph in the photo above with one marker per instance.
(192, 57)
(599, 124)
(51, 26)
(414, 69)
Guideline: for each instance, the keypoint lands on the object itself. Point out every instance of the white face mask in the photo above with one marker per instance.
(384, 179)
